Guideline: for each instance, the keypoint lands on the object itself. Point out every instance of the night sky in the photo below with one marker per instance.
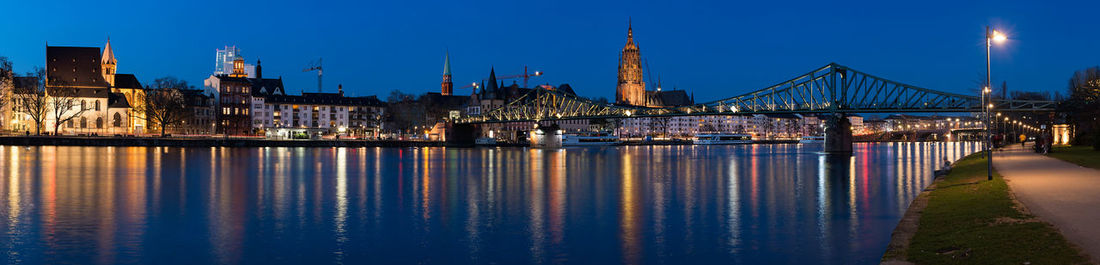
(714, 49)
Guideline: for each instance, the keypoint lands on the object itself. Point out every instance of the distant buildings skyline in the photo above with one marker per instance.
(223, 61)
(474, 57)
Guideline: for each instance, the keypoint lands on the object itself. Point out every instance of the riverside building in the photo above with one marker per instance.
(315, 114)
(248, 104)
(83, 80)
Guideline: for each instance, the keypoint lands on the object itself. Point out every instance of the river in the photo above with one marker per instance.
(747, 204)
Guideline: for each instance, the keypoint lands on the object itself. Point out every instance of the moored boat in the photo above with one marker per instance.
(812, 139)
(590, 139)
(722, 138)
(485, 141)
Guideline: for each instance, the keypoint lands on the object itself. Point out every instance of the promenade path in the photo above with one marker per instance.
(1063, 194)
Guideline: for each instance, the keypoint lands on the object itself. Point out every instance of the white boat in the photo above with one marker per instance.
(812, 139)
(590, 139)
(722, 138)
(485, 141)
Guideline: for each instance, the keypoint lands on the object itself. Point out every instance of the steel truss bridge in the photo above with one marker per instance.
(833, 88)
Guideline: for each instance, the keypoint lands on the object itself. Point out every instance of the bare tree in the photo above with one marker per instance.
(661, 125)
(7, 78)
(1084, 106)
(64, 105)
(164, 104)
(29, 95)
(411, 112)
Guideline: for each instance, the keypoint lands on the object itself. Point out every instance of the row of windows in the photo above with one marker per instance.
(116, 121)
(234, 111)
(84, 105)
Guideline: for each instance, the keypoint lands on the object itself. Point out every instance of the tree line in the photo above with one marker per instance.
(1082, 107)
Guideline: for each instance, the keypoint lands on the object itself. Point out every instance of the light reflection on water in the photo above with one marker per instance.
(632, 204)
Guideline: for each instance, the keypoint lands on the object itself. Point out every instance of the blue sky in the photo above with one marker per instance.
(713, 49)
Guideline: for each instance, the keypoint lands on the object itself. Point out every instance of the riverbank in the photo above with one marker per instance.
(202, 142)
(968, 219)
(261, 142)
(1083, 156)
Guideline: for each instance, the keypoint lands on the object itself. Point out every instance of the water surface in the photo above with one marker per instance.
(757, 204)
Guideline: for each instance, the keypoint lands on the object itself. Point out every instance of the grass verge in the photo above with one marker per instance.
(1080, 155)
(971, 220)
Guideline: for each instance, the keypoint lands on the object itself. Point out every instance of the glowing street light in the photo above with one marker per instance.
(990, 37)
(999, 37)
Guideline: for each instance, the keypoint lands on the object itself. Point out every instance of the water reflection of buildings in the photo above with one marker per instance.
(628, 222)
(640, 204)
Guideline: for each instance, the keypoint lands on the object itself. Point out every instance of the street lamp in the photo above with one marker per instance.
(990, 37)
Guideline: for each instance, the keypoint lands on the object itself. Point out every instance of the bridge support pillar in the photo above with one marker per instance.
(461, 134)
(838, 134)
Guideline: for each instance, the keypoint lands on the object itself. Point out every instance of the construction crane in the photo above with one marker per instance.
(525, 75)
(649, 73)
(316, 66)
(474, 85)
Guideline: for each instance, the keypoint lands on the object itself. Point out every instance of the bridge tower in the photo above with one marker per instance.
(838, 134)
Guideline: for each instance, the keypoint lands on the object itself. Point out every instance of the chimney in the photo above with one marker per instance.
(259, 71)
(340, 89)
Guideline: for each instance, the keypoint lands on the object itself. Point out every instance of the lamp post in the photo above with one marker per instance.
(990, 36)
(1016, 128)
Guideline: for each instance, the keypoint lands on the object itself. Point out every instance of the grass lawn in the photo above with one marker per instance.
(1081, 155)
(970, 220)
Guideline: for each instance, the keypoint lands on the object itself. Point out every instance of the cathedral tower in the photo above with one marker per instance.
(108, 63)
(631, 88)
(446, 86)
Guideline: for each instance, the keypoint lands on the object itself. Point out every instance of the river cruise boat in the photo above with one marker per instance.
(812, 139)
(590, 139)
(485, 141)
(722, 138)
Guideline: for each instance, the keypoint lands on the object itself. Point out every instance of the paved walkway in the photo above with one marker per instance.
(1064, 194)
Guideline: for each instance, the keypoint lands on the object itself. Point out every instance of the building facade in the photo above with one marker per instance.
(310, 114)
(81, 87)
(236, 96)
(201, 118)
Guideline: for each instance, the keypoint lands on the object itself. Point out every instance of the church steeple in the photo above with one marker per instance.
(259, 70)
(630, 30)
(447, 63)
(492, 86)
(630, 89)
(108, 63)
(446, 86)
